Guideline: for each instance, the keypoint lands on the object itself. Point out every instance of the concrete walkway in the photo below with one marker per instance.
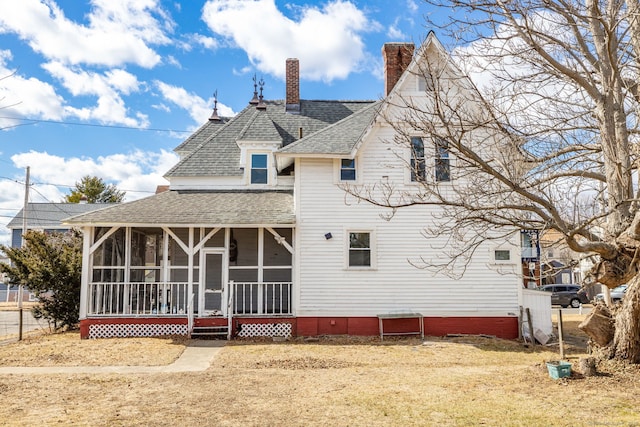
(196, 357)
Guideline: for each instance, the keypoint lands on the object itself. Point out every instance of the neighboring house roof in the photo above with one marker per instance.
(219, 155)
(339, 138)
(50, 215)
(198, 208)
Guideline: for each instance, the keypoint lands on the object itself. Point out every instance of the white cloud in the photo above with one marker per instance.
(161, 107)
(327, 40)
(198, 108)
(110, 107)
(394, 33)
(53, 177)
(172, 60)
(138, 172)
(202, 40)
(241, 72)
(119, 32)
(26, 96)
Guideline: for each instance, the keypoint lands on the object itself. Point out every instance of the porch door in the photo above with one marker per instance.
(213, 279)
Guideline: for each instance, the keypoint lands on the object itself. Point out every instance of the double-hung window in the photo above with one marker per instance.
(443, 166)
(359, 249)
(417, 159)
(347, 170)
(259, 170)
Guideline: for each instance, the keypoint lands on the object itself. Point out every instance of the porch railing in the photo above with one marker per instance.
(172, 299)
(136, 299)
(262, 298)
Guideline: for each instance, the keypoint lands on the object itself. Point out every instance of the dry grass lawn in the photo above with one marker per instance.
(464, 381)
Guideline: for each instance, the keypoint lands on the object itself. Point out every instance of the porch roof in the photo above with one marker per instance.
(197, 208)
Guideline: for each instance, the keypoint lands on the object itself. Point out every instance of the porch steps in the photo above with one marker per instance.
(210, 332)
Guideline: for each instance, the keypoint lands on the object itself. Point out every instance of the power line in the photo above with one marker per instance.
(33, 121)
(73, 187)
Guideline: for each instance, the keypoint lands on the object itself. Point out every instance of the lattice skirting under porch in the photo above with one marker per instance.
(136, 330)
(265, 330)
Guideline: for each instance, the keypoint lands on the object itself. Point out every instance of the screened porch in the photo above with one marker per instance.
(178, 271)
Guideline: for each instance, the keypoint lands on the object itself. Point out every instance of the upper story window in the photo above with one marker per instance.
(443, 166)
(259, 170)
(347, 170)
(417, 159)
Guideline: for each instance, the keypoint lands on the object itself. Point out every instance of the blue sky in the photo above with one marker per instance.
(109, 88)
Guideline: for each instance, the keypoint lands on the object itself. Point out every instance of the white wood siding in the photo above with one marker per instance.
(328, 288)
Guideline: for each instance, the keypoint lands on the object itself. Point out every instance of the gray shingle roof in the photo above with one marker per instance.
(201, 135)
(198, 208)
(43, 215)
(339, 138)
(219, 155)
(260, 128)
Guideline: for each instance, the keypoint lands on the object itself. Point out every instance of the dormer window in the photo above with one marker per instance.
(348, 170)
(259, 169)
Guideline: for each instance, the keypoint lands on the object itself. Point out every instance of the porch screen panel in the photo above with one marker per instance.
(146, 255)
(111, 252)
(216, 241)
(178, 257)
(276, 254)
(246, 241)
(108, 260)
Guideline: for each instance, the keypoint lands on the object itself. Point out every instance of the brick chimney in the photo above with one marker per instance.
(397, 57)
(293, 86)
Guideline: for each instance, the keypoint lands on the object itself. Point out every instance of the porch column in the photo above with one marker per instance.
(190, 268)
(87, 233)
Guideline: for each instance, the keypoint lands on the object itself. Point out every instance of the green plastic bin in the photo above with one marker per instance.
(559, 369)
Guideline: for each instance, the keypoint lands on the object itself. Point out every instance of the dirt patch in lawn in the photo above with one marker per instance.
(337, 381)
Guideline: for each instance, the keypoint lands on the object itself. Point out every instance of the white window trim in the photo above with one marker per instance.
(337, 169)
(512, 255)
(247, 149)
(372, 248)
(270, 168)
(409, 157)
(430, 165)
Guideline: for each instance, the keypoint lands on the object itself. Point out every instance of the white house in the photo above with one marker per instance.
(257, 236)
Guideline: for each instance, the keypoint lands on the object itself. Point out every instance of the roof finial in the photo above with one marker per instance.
(214, 115)
(254, 100)
(261, 105)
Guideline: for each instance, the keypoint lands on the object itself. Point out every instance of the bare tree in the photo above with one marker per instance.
(551, 122)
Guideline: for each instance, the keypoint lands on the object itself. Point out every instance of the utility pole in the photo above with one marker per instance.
(24, 232)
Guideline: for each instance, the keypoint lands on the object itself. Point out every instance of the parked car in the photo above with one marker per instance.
(566, 295)
(616, 294)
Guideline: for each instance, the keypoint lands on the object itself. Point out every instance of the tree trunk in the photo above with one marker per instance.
(599, 325)
(626, 342)
(587, 365)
